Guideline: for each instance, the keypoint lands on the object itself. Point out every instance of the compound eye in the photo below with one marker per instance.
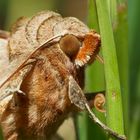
(70, 45)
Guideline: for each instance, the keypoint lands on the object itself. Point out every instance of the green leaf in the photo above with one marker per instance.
(113, 89)
(134, 69)
(121, 41)
(94, 81)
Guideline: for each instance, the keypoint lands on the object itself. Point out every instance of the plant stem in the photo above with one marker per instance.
(113, 92)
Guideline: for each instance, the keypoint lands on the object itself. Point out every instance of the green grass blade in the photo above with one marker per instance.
(94, 73)
(134, 66)
(113, 91)
(113, 11)
(121, 41)
(94, 82)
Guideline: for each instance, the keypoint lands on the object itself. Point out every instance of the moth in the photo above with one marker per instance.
(44, 78)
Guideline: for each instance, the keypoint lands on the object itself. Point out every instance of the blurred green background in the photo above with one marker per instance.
(127, 46)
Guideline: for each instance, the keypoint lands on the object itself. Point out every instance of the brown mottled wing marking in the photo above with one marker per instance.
(21, 49)
(12, 86)
(34, 23)
(17, 64)
(15, 82)
(17, 41)
(45, 30)
(72, 25)
(4, 55)
(76, 95)
(18, 24)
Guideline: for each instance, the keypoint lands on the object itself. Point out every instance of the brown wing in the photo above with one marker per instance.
(26, 40)
(21, 47)
(4, 52)
(17, 64)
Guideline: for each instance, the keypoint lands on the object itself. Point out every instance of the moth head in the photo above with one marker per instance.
(81, 51)
(70, 45)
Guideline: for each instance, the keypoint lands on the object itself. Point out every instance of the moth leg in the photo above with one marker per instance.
(77, 97)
